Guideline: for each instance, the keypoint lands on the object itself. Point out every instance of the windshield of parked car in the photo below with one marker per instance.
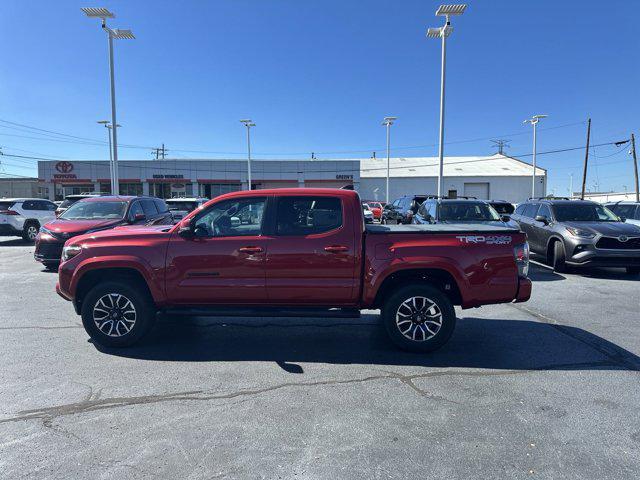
(95, 211)
(583, 213)
(182, 206)
(67, 202)
(467, 212)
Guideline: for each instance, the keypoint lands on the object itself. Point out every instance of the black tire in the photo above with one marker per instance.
(30, 230)
(395, 308)
(633, 270)
(559, 257)
(105, 292)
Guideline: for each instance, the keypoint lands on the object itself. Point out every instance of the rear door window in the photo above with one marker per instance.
(29, 205)
(624, 210)
(308, 215)
(530, 210)
(149, 207)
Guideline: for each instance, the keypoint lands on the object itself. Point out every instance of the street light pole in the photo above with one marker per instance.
(443, 32)
(534, 121)
(388, 121)
(248, 123)
(112, 177)
(103, 14)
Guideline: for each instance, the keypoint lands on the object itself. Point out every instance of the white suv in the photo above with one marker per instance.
(22, 217)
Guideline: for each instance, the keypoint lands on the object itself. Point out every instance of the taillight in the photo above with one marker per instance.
(8, 212)
(521, 255)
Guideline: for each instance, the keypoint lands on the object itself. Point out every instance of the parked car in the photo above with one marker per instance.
(22, 217)
(402, 210)
(502, 207)
(629, 211)
(307, 253)
(93, 214)
(579, 233)
(180, 207)
(368, 214)
(71, 199)
(376, 209)
(459, 210)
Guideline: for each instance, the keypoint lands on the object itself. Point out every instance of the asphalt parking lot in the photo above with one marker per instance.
(545, 389)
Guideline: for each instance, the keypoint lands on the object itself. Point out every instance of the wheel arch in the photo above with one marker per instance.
(436, 277)
(93, 277)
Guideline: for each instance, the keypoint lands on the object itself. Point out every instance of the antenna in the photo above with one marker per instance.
(501, 144)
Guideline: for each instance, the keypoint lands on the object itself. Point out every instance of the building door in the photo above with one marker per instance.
(478, 190)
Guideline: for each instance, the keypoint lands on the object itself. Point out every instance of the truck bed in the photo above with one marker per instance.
(439, 228)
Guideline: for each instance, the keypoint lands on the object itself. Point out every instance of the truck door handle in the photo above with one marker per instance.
(336, 248)
(250, 250)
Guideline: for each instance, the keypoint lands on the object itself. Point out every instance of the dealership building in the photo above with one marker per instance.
(496, 176)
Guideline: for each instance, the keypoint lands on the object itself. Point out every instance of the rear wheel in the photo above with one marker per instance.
(30, 231)
(419, 318)
(633, 270)
(115, 314)
(559, 257)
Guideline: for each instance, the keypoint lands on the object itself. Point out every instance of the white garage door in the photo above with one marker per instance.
(478, 190)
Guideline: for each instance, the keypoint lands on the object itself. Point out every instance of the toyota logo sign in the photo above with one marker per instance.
(623, 238)
(64, 167)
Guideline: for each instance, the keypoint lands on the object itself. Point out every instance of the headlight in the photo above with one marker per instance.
(70, 252)
(579, 232)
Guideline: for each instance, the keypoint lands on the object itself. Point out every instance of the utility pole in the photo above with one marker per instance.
(586, 160)
(501, 144)
(388, 121)
(635, 165)
(534, 123)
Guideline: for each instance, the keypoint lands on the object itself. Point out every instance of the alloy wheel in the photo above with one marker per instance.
(419, 319)
(114, 315)
(32, 232)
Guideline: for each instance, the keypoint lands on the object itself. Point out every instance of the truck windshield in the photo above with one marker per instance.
(467, 212)
(583, 213)
(95, 211)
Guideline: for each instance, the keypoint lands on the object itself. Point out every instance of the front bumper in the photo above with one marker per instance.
(48, 250)
(587, 253)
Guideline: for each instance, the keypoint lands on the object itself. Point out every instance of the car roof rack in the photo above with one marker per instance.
(548, 198)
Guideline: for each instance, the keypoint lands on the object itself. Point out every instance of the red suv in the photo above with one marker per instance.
(96, 213)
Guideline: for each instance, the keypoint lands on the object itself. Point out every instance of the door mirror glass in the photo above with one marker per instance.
(139, 217)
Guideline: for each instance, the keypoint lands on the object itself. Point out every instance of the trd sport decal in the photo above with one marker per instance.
(488, 239)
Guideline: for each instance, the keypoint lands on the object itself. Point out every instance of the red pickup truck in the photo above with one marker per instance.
(302, 252)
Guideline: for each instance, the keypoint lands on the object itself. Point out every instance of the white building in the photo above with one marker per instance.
(490, 177)
(604, 197)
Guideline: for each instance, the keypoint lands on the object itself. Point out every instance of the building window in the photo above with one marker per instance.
(133, 189)
(212, 190)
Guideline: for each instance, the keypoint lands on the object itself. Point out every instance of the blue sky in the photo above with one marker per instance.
(320, 76)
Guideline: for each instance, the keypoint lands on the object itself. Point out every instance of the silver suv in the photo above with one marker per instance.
(579, 233)
(22, 217)
(630, 211)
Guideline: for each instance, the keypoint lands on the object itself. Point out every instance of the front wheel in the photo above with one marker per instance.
(115, 314)
(559, 257)
(419, 318)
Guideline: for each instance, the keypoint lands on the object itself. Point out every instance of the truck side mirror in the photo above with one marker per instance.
(185, 230)
(623, 219)
(505, 218)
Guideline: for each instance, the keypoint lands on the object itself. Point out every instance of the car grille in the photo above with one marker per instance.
(50, 250)
(613, 243)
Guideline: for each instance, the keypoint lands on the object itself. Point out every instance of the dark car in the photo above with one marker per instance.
(579, 233)
(93, 214)
(630, 211)
(402, 210)
(502, 207)
(181, 207)
(458, 210)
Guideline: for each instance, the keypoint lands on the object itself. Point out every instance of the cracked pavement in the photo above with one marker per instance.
(545, 389)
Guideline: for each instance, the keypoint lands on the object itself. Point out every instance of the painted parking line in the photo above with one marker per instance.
(540, 264)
